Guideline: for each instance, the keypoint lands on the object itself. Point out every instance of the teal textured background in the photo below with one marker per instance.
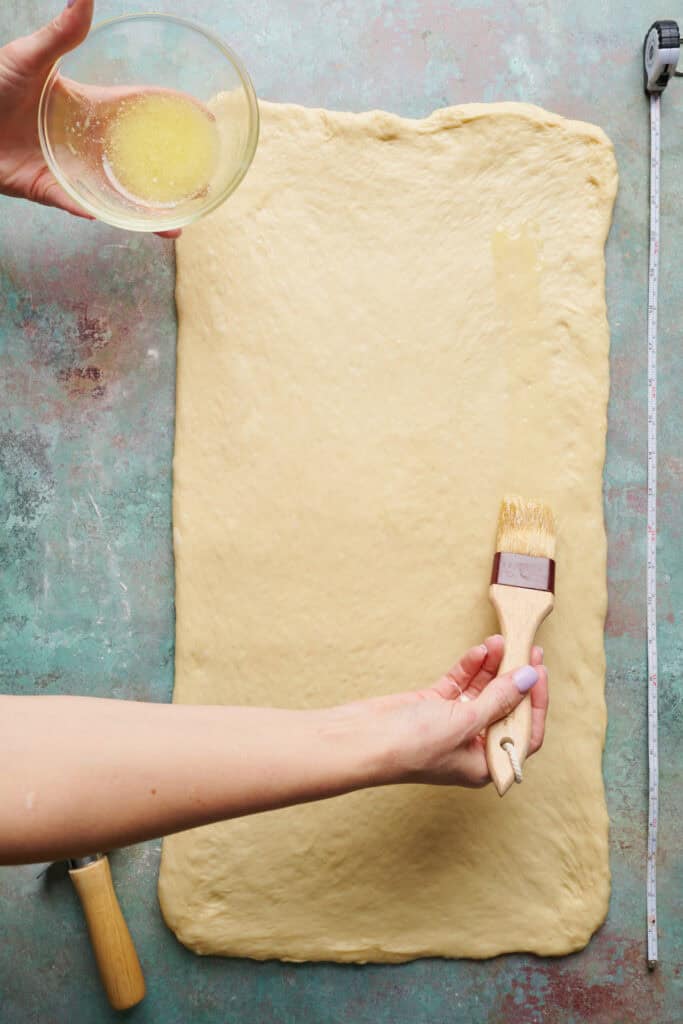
(87, 338)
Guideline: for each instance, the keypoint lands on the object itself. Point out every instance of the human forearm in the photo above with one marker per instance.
(81, 775)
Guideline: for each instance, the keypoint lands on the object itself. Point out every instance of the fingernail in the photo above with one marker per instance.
(483, 648)
(70, 3)
(541, 650)
(525, 678)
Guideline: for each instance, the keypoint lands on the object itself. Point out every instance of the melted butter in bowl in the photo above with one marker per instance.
(161, 148)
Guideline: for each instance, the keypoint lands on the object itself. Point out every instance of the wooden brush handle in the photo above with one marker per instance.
(520, 613)
(112, 944)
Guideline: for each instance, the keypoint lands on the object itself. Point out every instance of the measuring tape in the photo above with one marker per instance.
(660, 57)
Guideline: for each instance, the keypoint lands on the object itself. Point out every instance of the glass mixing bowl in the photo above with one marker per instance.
(146, 55)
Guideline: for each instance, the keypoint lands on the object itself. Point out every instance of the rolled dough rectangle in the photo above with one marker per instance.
(390, 325)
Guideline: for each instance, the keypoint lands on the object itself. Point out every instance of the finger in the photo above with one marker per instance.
(539, 710)
(454, 682)
(473, 769)
(46, 190)
(536, 655)
(501, 697)
(42, 48)
(489, 669)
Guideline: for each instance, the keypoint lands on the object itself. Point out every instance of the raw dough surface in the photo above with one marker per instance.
(391, 324)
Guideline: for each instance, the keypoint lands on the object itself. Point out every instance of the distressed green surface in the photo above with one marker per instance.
(86, 420)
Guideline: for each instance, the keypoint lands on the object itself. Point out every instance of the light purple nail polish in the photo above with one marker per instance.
(525, 678)
(70, 3)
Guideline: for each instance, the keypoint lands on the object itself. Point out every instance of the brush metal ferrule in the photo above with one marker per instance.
(530, 571)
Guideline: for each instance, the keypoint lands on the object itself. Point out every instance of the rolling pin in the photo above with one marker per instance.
(115, 954)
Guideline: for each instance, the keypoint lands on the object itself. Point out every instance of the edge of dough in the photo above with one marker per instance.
(384, 124)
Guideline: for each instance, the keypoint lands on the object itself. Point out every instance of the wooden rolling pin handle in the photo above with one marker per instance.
(112, 944)
(520, 613)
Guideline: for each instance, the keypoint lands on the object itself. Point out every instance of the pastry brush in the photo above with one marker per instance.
(522, 592)
(116, 957)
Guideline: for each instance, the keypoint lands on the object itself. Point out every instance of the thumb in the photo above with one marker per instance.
(502, 696)
(52, 41)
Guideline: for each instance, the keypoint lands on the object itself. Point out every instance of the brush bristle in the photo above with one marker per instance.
(526, 528)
